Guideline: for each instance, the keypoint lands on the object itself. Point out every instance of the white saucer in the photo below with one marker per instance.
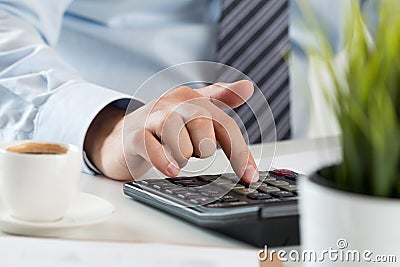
(85, 210)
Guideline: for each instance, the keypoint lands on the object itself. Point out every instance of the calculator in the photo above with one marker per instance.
(261, 213)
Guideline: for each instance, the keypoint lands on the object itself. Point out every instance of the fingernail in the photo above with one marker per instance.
(173, 169)
(251, 174)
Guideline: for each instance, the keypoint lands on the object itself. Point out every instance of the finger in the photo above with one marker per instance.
(170, 128)
(200, 126)
(232, 143)
(149, 148)
(232, 95)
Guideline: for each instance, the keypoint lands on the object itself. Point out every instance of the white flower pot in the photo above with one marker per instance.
(351, 224)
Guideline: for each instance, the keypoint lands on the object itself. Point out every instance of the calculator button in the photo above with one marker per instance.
(268, 189)
(268, 179)
(193, 188)
(263, 173)
(231, 177)
(223, 182)
(282, 194)
(282, 172)
(188, 195)
(194, 201)
(206, 200)
(157, 181)
(229, 198)
(183, 180)
(178, 190)
(290, 188)
(209, 187)
(168, 191)
(193, 185)
(227, 185)
(143, 182)
(156, 186)
(191, 195)
(244, 191)
(259, 196)
(170, 186)
(211, 193)
(189, 183)
(278, 183)
(292, 176)
(239, 186)
(290, 199)
(255, 185)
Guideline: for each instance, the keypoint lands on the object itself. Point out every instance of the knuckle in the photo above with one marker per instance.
(164, 121)
(172, 117)
(202, 113)
(199, 123)
(201, 118)
(171, 122)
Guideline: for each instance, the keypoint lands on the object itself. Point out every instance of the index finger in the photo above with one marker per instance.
(228, 134)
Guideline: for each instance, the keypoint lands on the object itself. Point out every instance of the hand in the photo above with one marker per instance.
(166, 132)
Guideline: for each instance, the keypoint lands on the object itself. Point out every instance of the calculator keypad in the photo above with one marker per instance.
(226, 190)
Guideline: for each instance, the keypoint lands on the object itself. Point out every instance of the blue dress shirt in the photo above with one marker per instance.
(62, 61)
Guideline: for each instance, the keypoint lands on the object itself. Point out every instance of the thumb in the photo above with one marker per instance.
(231, 94)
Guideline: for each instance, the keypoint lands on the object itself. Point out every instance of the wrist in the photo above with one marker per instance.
(105, 129)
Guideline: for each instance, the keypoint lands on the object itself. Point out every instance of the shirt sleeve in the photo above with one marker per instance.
(41, 97)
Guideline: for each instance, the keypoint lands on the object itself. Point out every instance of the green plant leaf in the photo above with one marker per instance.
(366, 100)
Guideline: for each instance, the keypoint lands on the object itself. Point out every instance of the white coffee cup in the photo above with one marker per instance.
(39, 187)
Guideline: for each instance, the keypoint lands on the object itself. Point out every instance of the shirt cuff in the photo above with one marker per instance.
(68, 113)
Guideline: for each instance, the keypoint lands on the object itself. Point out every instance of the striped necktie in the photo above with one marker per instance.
(253, 35)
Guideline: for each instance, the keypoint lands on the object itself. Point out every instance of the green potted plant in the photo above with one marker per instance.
(354, 207)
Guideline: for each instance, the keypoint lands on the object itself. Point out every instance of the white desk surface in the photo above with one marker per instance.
(133, 221)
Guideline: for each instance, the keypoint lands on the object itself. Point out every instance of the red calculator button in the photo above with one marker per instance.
(282, 172)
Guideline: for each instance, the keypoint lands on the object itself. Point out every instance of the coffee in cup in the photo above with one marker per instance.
(38, 179)
(38, 148)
